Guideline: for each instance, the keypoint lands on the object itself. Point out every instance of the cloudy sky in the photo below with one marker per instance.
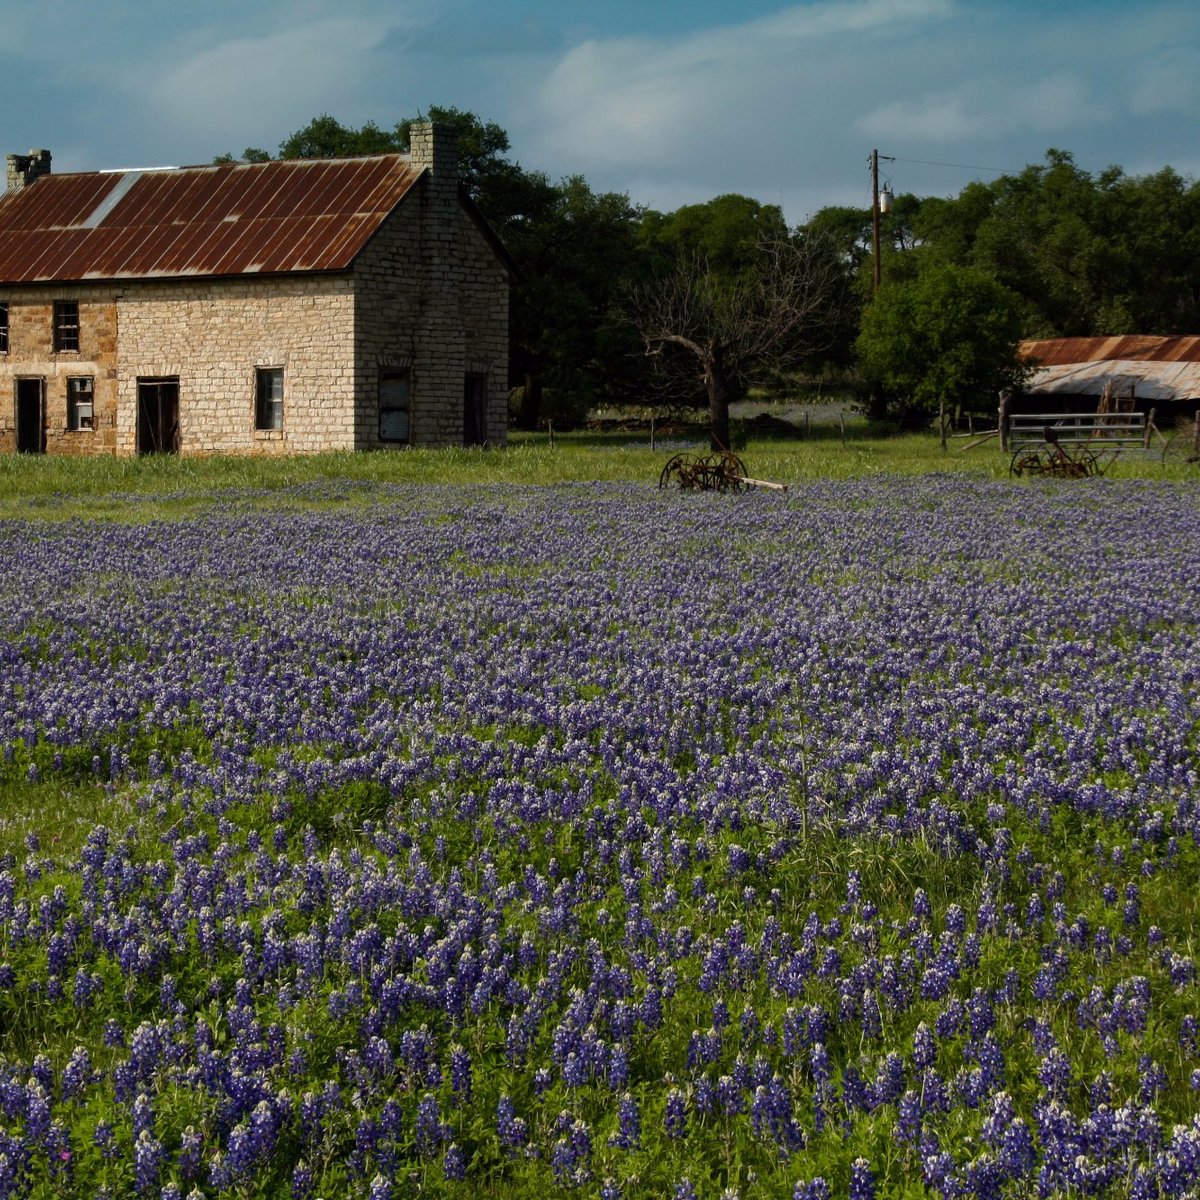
(669, 101)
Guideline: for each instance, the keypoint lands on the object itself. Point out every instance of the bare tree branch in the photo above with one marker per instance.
(784, 310)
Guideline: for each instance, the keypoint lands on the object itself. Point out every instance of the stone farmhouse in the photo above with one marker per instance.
(265, 308)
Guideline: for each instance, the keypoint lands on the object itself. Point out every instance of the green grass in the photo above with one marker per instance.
(148, 488)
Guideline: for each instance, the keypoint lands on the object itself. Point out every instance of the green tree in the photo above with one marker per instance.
(947, 337)
(578, 252)
(1088, 254)
(326, 137)
(1152, 227)
(726, 232)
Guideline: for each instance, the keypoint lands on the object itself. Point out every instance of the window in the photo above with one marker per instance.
(3, 326)
(393, 406)
(66, 325)
(81, 412)
(268, 405)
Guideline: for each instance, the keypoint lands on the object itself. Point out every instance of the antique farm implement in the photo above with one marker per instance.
(1063, 460)
(720, 471)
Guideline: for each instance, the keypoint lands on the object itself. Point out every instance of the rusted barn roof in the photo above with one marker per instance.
(1155, 368)
(1055, 352)
(226, 219)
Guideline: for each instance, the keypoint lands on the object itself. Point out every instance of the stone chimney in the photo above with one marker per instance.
(436, 146)
(23, 169)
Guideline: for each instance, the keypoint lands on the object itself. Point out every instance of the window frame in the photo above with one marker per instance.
(66, 326)
(76, 406)
(268, 407)
(386, 411)
(3, 326)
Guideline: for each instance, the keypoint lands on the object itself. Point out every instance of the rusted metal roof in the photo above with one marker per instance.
(1154, 368)
(1055, 352)
(226, 219)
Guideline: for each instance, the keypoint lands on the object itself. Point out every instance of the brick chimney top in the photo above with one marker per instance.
(434, 145)
(23, 169)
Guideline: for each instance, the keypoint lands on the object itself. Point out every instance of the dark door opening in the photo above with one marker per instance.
(31, 416)
(475, 410)
(158, 416)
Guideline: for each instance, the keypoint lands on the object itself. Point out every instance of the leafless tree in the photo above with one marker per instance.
(720, 330)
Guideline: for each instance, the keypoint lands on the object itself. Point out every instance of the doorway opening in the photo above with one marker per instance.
(158, 416)
(31, 416)
(475, 410)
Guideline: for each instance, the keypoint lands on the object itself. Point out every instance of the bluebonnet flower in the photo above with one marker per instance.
(908, 1118)
(454, 1163)
(77, 1074)
(772, 1115)
(510, 1127)
(862, 1180)
(675, 1115)
(571, 1158)
(303, 1181)
(1152, 1079)
(629, 1124)
(191, 1148)
(460, 1073)
(814, 1189)
(1054, 1074)
(430, 1131)
(148, 1158)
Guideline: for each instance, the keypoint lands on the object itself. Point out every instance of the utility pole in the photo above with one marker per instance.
(876, 208)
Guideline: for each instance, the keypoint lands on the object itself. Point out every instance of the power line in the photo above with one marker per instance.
(923, 162)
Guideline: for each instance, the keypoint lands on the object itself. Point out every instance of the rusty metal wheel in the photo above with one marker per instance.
(1088, 463)
(673, 473)
(735, 471)
(1027, 462)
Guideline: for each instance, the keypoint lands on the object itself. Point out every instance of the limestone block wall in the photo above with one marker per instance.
(31, 355)
(214, 335)
(431, 297)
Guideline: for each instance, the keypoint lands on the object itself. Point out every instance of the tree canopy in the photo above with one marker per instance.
(948, 336)
(1088, 254)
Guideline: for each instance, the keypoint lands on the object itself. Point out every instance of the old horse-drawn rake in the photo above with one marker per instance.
(720, 471)
(1074, 460)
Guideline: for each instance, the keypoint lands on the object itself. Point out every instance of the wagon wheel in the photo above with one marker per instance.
(1180, 449)
(734, 472)
(710, 475)
(674, 471)
(1027, 462)
(1089, 463)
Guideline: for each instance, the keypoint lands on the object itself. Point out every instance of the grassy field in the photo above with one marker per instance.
(146, 488)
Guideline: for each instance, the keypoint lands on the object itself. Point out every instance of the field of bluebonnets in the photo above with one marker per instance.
(591, 840)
